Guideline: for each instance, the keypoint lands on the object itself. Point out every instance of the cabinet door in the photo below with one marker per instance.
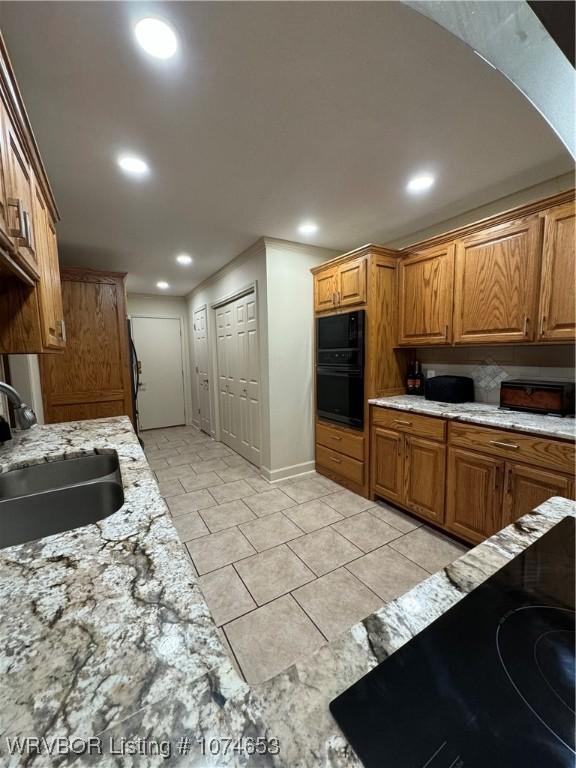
(387, 463)
(496, 283)
(527, 487)
(19, 203)
(424, 477)
(558, 294)
(351, 287)
(425, 296)
(50, 298)
(325, 289)
(473, 494)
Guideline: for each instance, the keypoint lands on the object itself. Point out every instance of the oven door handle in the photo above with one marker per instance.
(348, 372)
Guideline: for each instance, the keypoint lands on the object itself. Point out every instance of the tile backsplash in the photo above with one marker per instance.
(489, 366)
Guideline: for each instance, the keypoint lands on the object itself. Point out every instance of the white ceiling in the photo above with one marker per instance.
(271, 113)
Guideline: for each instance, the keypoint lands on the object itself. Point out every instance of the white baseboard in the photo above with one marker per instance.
(284, 473)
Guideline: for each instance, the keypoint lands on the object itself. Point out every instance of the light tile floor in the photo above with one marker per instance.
(285, 567)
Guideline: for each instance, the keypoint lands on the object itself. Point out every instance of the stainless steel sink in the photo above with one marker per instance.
(56, 474)
(58, 496)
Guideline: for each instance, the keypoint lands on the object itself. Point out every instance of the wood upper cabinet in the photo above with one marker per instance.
(473, 494)
(49, 289)
(18, 184)
(424, 477)
(351, 286)
(426, 296)
(557, 321)
(325, 289)
(340, 285)
(527, 487)
(496, 283)
(387, 463)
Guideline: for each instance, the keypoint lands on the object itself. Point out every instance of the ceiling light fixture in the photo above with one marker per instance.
(184, 259)
(156, 37)
(308, 228)
(420, 183)
(133, 166)
(162, 284)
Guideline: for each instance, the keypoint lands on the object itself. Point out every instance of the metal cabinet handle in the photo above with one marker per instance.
(20, 232)
(543, 326)
(403, 423)
(446, 331)
(502, 444)
(526, 321)
(334, 437)
(336, 461)
(61, 329)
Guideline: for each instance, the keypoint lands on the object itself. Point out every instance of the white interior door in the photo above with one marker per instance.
(239, 376)
(248, 377)
(158, 342)
(201, 368)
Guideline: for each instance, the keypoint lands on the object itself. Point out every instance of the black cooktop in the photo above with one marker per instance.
(490, 684)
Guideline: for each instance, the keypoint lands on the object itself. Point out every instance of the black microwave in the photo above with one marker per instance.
(340, 340)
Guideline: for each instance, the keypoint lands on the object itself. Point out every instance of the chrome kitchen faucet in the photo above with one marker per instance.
(24, 415)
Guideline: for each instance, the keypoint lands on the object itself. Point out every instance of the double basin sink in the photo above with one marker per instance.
(44, 499)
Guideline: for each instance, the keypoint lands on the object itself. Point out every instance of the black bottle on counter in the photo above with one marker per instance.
(415, 381)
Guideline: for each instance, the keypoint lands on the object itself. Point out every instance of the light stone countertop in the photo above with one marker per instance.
(484, 414)
(105, 631)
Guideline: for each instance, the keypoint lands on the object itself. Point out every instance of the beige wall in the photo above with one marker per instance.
(539, 191)
(281, 272)
(290, 355)
(167, 306)
(249, 268)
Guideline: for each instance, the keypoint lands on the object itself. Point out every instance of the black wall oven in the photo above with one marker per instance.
(340, 368)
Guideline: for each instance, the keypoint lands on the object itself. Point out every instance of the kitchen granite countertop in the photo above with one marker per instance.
(105, 632)
(484, 414)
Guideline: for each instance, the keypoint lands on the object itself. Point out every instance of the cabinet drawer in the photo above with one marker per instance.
(542, 451)
(341, 441)
(414, 423)
(343, 465)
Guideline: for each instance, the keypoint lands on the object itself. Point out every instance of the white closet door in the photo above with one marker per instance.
(202, 379)
(239, 376)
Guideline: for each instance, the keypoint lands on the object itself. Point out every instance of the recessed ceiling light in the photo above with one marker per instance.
(133, 166)
(156, 37)
(183, 258)
(308, 228)
(162, 284)
(420, 183)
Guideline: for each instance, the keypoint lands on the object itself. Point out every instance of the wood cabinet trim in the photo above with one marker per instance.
(364, 250)
(16, 109)
(521, 211)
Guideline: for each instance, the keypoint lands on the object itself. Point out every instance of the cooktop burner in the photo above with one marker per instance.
(490, 683)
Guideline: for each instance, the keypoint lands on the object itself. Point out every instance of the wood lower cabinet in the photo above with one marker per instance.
(471, 481)
(496, 284)
(91, 378)
(485, 493)
(557, 316)
(424, 477)
(527, 487)
(387, 468)
(408, 470)
(473, 494)
(425, 297)
(340, 453)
